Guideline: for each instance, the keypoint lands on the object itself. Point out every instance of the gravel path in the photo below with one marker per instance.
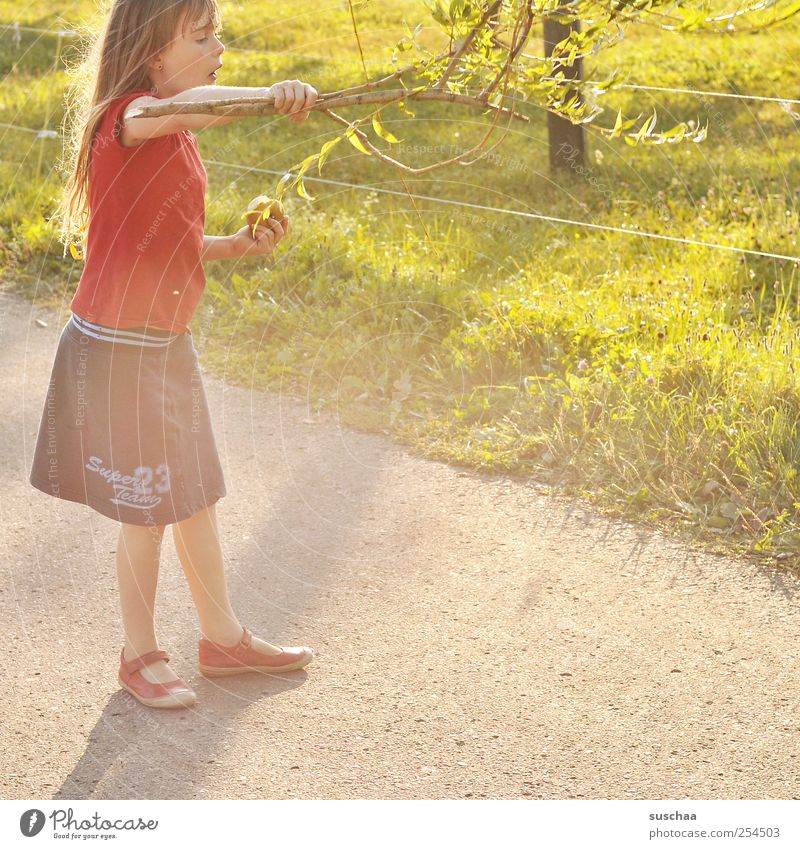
(475, 637)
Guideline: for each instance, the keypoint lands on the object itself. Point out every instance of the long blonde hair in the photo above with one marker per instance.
(114, 63)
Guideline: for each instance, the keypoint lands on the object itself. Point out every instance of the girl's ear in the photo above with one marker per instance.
(155, 66)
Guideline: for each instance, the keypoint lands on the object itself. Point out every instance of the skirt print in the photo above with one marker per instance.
(126, 429)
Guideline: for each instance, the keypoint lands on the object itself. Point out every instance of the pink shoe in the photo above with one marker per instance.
(172, 694)
(216, 659)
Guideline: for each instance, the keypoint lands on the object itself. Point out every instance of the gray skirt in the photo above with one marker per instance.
(126, 429)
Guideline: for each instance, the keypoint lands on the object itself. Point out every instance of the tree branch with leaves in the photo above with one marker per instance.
(486, 67)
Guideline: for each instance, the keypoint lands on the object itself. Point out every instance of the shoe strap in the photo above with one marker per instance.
(143, 660)
(241, 648)
(245, 641)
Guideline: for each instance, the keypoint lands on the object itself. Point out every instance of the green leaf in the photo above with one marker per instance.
(438, 14)
(401, 105)
(604, 85)
(356, 141)
(676, 133)
(306, 164)
(328, 145)
(382, 131)
(301, 190)
(643, 132)
(326, 148)
(692, 18)
(617, 126)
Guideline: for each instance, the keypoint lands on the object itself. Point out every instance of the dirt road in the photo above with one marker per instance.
(475, 637)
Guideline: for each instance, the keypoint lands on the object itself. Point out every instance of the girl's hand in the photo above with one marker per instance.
(268, 234)
(294, 98)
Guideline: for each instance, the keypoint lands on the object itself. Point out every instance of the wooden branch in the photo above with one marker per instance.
(265, 105)
(370, 86)
(358, 39)
(467, 42)
(401, 166)
(517, 48)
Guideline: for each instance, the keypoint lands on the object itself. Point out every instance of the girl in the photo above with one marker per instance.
(126, 426)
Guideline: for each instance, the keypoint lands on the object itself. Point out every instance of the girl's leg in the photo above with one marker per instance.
(138, 555)
(198, 547)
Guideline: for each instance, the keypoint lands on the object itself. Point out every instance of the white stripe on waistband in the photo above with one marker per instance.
(135, 334)
(110, 334)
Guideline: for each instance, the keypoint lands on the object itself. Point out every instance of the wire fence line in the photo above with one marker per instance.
(512, 212)
(15, 29)
(701, 93)
(638, 86)
(48, 133)
(519, 213)
(42, 134)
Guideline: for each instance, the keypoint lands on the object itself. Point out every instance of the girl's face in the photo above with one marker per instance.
(189, 60)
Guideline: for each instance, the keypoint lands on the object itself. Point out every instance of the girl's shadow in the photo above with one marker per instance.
(137, 752)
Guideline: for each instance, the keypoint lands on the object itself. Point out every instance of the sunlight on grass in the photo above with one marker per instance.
(657, 379)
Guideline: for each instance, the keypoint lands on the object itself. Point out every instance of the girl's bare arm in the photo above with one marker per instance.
(137, 130)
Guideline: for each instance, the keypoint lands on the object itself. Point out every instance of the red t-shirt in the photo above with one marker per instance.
(146, 226)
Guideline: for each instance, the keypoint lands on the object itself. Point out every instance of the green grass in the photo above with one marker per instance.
(656, 379)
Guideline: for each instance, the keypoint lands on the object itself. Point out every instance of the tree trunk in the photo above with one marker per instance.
(567, 140)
